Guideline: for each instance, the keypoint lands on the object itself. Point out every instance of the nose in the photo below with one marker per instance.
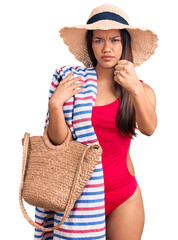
(106, 47)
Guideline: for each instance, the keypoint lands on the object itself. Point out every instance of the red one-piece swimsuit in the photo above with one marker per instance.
(119, 183)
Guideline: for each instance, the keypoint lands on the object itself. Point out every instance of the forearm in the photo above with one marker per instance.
(57, 127)
(146, 117)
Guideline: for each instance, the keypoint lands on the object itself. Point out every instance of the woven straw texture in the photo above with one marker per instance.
(143, 41)
(53, 177)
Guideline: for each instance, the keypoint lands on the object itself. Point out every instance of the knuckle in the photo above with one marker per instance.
(117, 67)
(130, 65)
(116, 78)
(127, 68)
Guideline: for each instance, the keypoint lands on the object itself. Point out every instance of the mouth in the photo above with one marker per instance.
(107, 58)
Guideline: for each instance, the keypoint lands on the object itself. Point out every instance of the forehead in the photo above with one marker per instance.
(106, 33)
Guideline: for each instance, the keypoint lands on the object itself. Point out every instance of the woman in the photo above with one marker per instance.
(102, 103)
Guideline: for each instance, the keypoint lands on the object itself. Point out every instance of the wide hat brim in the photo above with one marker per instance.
(143, 41)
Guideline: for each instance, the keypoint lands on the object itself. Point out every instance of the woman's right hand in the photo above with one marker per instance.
(65, 90)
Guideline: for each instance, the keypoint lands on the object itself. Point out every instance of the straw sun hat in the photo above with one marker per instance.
(105, 17)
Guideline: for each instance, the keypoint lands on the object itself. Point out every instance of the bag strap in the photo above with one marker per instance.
(68, 206)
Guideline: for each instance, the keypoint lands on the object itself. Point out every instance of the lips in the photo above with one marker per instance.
(107, 57)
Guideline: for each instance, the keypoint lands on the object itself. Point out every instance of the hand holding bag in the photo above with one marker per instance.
(54, 176)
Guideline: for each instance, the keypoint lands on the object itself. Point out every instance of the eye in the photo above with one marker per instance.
(115, 40)
(98, 41)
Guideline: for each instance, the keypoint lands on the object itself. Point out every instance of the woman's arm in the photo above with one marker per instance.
(61, 90)
(57, 127)
(144, 100)
(143, 96)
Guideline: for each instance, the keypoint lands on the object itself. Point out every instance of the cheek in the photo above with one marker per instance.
(95, 50)
(118, 51)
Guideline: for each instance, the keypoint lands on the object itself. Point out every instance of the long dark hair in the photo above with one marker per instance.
(126, 117)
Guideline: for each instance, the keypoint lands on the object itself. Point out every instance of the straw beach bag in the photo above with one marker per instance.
(54, 176)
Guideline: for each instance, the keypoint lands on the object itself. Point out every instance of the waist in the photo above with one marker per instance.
(113, 158)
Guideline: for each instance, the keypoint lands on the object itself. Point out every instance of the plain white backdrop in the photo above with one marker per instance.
(30, 51)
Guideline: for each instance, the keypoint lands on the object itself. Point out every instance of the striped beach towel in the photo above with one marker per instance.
(86, 220)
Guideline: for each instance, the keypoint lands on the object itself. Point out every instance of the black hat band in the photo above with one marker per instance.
(107, 16)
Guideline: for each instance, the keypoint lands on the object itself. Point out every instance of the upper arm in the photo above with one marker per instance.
(150, 94)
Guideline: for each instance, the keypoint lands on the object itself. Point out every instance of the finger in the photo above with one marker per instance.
(68, 77)
(73, 80)
(118, 73)
(116, 79)
(120, 67)
(75, 85)
(119, 76)
(123, 61)
(76, 79)
(78, 90)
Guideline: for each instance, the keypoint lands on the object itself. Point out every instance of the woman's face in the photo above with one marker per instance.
(107, 47)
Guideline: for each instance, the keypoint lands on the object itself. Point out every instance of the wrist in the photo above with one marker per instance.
(138, 88)
(54, 105)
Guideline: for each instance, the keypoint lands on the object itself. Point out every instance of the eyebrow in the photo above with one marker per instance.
(116, 36)
(111, 37)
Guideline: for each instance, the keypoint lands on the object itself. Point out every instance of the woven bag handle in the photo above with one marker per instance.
(68, 208)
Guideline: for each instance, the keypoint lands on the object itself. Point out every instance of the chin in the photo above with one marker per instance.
(108, 65)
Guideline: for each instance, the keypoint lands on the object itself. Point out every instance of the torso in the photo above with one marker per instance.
(106, 96)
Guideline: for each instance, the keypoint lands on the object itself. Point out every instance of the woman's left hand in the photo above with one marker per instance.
(126, 76)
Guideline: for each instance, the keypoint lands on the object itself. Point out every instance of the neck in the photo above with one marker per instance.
(105, 75)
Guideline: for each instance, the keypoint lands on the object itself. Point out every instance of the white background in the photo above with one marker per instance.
(30, 51)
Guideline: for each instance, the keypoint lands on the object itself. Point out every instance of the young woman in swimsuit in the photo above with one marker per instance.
(123, 100)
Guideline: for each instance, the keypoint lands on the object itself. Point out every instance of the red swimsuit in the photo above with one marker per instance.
(119, 183)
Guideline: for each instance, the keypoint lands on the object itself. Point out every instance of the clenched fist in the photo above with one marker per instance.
(126, 76)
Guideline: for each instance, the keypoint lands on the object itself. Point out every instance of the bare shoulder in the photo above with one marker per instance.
(150, 93)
